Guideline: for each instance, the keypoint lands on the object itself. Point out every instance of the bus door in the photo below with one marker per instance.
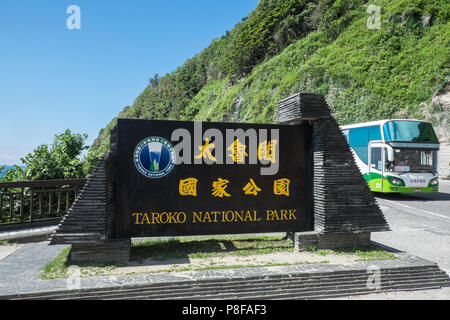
(376, 165)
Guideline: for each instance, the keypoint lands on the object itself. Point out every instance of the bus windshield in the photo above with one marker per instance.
(413, 160)
(409, 131)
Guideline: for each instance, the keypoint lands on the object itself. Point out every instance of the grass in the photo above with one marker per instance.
(204, 248)
(364, 254)
(178, 248)
(57, 268)
(4, 242)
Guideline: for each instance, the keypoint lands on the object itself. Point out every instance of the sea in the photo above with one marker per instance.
(6, 169)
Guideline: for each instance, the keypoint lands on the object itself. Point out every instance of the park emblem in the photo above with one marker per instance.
(154, 157)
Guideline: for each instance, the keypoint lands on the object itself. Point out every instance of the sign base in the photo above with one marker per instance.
(303, 241)
(112, 251)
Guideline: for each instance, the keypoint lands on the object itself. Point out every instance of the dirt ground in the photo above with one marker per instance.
(277, 258)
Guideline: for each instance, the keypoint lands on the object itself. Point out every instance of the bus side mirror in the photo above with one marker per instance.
(390, 156)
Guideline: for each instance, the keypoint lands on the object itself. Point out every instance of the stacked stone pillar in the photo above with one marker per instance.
(87, 226)
(345, 211)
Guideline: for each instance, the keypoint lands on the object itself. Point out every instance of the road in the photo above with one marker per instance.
(420, 225)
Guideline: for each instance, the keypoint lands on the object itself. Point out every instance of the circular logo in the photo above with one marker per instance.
(154, 157)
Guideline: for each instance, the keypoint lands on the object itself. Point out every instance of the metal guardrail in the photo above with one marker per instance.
(26, 202)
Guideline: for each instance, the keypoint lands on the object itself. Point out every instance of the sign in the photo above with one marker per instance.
(178, 178)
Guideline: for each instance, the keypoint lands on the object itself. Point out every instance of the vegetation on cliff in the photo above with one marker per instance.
(324, 46)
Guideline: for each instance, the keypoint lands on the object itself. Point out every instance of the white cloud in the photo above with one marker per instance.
(11, 157)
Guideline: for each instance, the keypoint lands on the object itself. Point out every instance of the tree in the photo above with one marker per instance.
(60, 160)
(153, 82)
(11, 174)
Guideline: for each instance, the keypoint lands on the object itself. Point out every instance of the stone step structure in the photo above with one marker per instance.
(85, 224)
(342, 200)
(307, 285)
(345, 211)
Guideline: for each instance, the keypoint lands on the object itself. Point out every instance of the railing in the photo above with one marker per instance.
(26, 202)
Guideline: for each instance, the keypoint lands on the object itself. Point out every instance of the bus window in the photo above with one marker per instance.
(414, 160)
(359, 141)
(435, 157)
(426, 158)
(411, 131)
(374, 133)
(389, 165)
(375, 158)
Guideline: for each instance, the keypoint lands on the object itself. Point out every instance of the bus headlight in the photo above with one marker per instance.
(433, 182)
(396, 181)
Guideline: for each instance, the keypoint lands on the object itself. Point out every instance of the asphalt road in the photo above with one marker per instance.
(420, 225)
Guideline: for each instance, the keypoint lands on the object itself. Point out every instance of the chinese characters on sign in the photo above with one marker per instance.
(205, 178)
(205, 151)
(219, 187)
(188, 187)
(237, 151)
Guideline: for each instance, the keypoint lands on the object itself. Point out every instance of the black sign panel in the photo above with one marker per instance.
(190, 178)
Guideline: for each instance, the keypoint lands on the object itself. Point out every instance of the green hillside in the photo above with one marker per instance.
(324, 46)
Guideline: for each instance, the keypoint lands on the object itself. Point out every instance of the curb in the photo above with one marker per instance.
(28, 235)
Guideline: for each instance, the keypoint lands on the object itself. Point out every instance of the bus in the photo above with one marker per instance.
(395, 155)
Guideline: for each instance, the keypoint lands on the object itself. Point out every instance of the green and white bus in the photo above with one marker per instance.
(395, 155)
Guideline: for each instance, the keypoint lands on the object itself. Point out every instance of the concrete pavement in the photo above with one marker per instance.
(420, 224)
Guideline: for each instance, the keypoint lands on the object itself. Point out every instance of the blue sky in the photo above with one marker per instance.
(53, 78)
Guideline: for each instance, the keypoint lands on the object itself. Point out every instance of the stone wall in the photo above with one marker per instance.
(438, 112)
(444, 161)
